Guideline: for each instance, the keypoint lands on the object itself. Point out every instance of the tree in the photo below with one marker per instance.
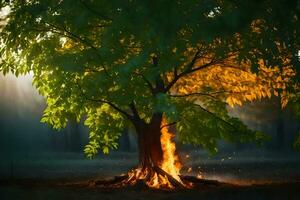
(152, 65)
(295, 107)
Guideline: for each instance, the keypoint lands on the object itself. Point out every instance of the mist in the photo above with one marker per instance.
(24, 140)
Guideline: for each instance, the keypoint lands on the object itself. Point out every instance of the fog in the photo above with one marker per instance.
(31, 149)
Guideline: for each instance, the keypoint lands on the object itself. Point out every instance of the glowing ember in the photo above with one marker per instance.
(199, 175)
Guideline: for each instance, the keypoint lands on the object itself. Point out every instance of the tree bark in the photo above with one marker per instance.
(150, 151)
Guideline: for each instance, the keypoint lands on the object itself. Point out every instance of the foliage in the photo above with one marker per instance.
(110, 61)
(105, 127)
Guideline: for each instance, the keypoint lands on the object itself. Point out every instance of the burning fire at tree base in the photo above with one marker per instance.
(166, 176)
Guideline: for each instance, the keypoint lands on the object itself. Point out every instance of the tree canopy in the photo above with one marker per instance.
(111, 61)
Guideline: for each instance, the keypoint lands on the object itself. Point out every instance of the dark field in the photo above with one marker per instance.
(56, 176)
(285, 191)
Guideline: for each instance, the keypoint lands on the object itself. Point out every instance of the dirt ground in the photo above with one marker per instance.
(249, 176)
(273, 191)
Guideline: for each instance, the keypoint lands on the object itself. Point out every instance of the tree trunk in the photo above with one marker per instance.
(150, 151)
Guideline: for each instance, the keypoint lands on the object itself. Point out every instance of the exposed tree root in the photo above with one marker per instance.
(175, 183)
(155, 178)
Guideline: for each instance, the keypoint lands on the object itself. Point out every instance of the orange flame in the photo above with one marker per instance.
(171, 163)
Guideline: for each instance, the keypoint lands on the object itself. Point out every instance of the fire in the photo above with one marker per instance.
(171, 163)
(165, 176)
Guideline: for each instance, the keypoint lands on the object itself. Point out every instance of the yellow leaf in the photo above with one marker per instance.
(269, 93)
(249, 97)
(229, 100)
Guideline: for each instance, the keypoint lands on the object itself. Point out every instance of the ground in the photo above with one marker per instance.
(254, 175)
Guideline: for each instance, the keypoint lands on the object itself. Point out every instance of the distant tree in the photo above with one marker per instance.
(295, 107)
(138, 63)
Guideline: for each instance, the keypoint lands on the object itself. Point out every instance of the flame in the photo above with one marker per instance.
(156, 181)
(170, 164)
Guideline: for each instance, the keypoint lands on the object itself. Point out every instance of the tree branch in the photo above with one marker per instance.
(149, 84)
(199, 93)
(186, 73)
(215, 116)
(130, 117)
(189, 69)
(166, 125)
(134, 111)
(65, 32)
